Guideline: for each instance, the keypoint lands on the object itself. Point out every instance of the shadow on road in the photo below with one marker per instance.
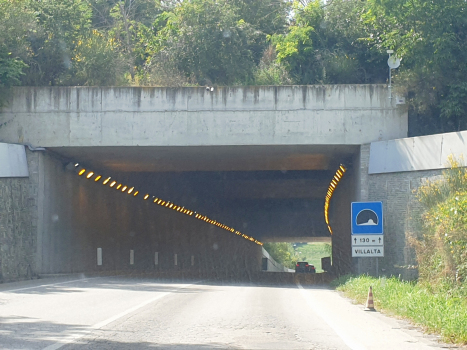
(107, 345)
(19, 332)
(163, 283)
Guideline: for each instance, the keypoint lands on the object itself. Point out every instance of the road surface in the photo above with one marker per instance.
(129, 313)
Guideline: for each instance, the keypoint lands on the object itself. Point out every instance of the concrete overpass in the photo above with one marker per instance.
(258, 159)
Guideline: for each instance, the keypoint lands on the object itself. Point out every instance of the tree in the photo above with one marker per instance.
(215, 41)
(61, 26)
(430, 36)
(16, 25)
(283, 253)
(328, 44)
(208, 40)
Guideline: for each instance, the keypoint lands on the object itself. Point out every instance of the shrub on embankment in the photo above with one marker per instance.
(441, 238)
(438, 300)
(442, 311)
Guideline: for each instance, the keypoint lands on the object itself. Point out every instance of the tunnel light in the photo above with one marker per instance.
(332, 187)
(168, 204)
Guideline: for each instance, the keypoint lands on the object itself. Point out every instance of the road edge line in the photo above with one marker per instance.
(352, 344)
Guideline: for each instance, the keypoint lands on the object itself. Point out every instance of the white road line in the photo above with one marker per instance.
(45, 285)
(352, 344)
(72, 337)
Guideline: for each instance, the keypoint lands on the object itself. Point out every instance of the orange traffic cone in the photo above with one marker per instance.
(370, 306)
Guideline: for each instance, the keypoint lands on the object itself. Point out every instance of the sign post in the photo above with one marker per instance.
(367, 230)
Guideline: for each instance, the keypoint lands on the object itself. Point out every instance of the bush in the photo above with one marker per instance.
(440, 246)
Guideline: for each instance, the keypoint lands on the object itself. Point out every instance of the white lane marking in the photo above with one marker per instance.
(352, 344)
(72, 337)
(45, 285)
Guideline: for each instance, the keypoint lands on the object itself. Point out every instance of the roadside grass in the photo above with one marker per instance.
(313, 252)
(442, 311)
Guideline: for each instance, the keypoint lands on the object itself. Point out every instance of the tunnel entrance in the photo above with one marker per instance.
(271, 193)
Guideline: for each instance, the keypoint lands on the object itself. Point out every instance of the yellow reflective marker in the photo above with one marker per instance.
(97, 178)
(81, 172)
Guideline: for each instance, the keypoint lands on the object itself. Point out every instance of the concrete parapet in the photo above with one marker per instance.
(266, 115)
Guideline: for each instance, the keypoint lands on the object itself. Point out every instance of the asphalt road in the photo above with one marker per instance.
(130, 313)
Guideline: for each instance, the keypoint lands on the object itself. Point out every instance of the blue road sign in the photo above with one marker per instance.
(367, 218)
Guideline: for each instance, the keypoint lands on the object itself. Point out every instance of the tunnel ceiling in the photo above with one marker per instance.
(210, 158)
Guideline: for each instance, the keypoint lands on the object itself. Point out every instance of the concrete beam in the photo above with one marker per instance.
(266, 115)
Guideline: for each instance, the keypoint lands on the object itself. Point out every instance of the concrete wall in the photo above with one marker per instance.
(273, 265)
(268, 115)
(54, 221)
(339, 219)
(401, 210)
(78, 216)
(18, 223)
(417, 153)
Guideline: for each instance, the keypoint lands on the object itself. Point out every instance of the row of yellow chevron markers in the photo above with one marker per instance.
(332, 187)
(132, 191)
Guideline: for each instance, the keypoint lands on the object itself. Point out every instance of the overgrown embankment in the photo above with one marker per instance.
(442, 310)
(438, 300)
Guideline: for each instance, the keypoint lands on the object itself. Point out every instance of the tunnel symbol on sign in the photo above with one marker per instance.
(367, 217)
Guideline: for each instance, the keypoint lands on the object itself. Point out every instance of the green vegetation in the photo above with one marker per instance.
(313, 252)
(438, 300)
(283, 253)
(443, 311)
(441, 242)
(244, 42)
(288, 254)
